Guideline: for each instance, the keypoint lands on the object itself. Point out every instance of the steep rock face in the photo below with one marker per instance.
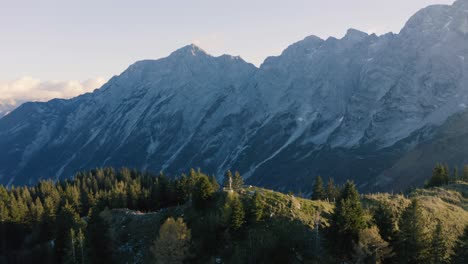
(144, 116)
(374, 101)
(345, 108)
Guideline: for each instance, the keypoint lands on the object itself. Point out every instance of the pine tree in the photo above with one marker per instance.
(3, 218)
(439, 248)
(88, 201)
(346, 222)
(71, 250)
(385, 221)
(257, 208)
(3, 193)
(237, 181)
(163, 191)
(460, 255)
(413, 240)
(72, 196)
(3, 212)
(318, 193)
(181, 189)
(317, 239)
(332, 190)
(227, 176)
(214, 183)
(18, 210)
(465, 173)
(238, 214)
(455, 175)
(67, 219)
(192, 181)
(80, 239)
(97, 238)
(37, 211)
(203, 192)
(48, 219)
(133, 193)
(440, 176)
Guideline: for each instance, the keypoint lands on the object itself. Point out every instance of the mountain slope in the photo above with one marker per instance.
(448, 146)
(348, 108)
(133, 232)
(151, 107)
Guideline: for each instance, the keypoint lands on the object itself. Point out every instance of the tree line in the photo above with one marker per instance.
(61, 222)
(443, 175)
(381, 235)
(58, 221)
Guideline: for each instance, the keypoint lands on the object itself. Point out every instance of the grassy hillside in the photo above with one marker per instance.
(456, 194)
(291, 207)
(447, 205)
(133, 232)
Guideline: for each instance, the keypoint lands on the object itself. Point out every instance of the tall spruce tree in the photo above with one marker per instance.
(464, 177)
(318, 193)
(203, 192)
(214, 183)
(346, 222)
(455, 175)
(317, 239)
(413, 240)
(181, 190)
(67, 219)
(332, 191)
(3, 211)
(97, 238)
(460, 252)
(385, 220)
(237, 181)
(227, 176)
(440, 176)
(256, 208)
(237, 215)
(439, 247)
(80, 240)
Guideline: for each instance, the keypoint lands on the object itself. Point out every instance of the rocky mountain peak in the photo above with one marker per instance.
(355, 35)
(191, 50)
(344, 108)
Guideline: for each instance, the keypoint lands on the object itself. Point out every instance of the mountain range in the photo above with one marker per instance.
(379, 110)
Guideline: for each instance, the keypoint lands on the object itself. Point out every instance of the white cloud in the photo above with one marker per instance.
(15, 92)
(30, 89)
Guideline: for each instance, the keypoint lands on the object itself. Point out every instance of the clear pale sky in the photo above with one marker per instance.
(88, 41)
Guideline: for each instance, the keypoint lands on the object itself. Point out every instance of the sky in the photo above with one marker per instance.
(59, 48)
